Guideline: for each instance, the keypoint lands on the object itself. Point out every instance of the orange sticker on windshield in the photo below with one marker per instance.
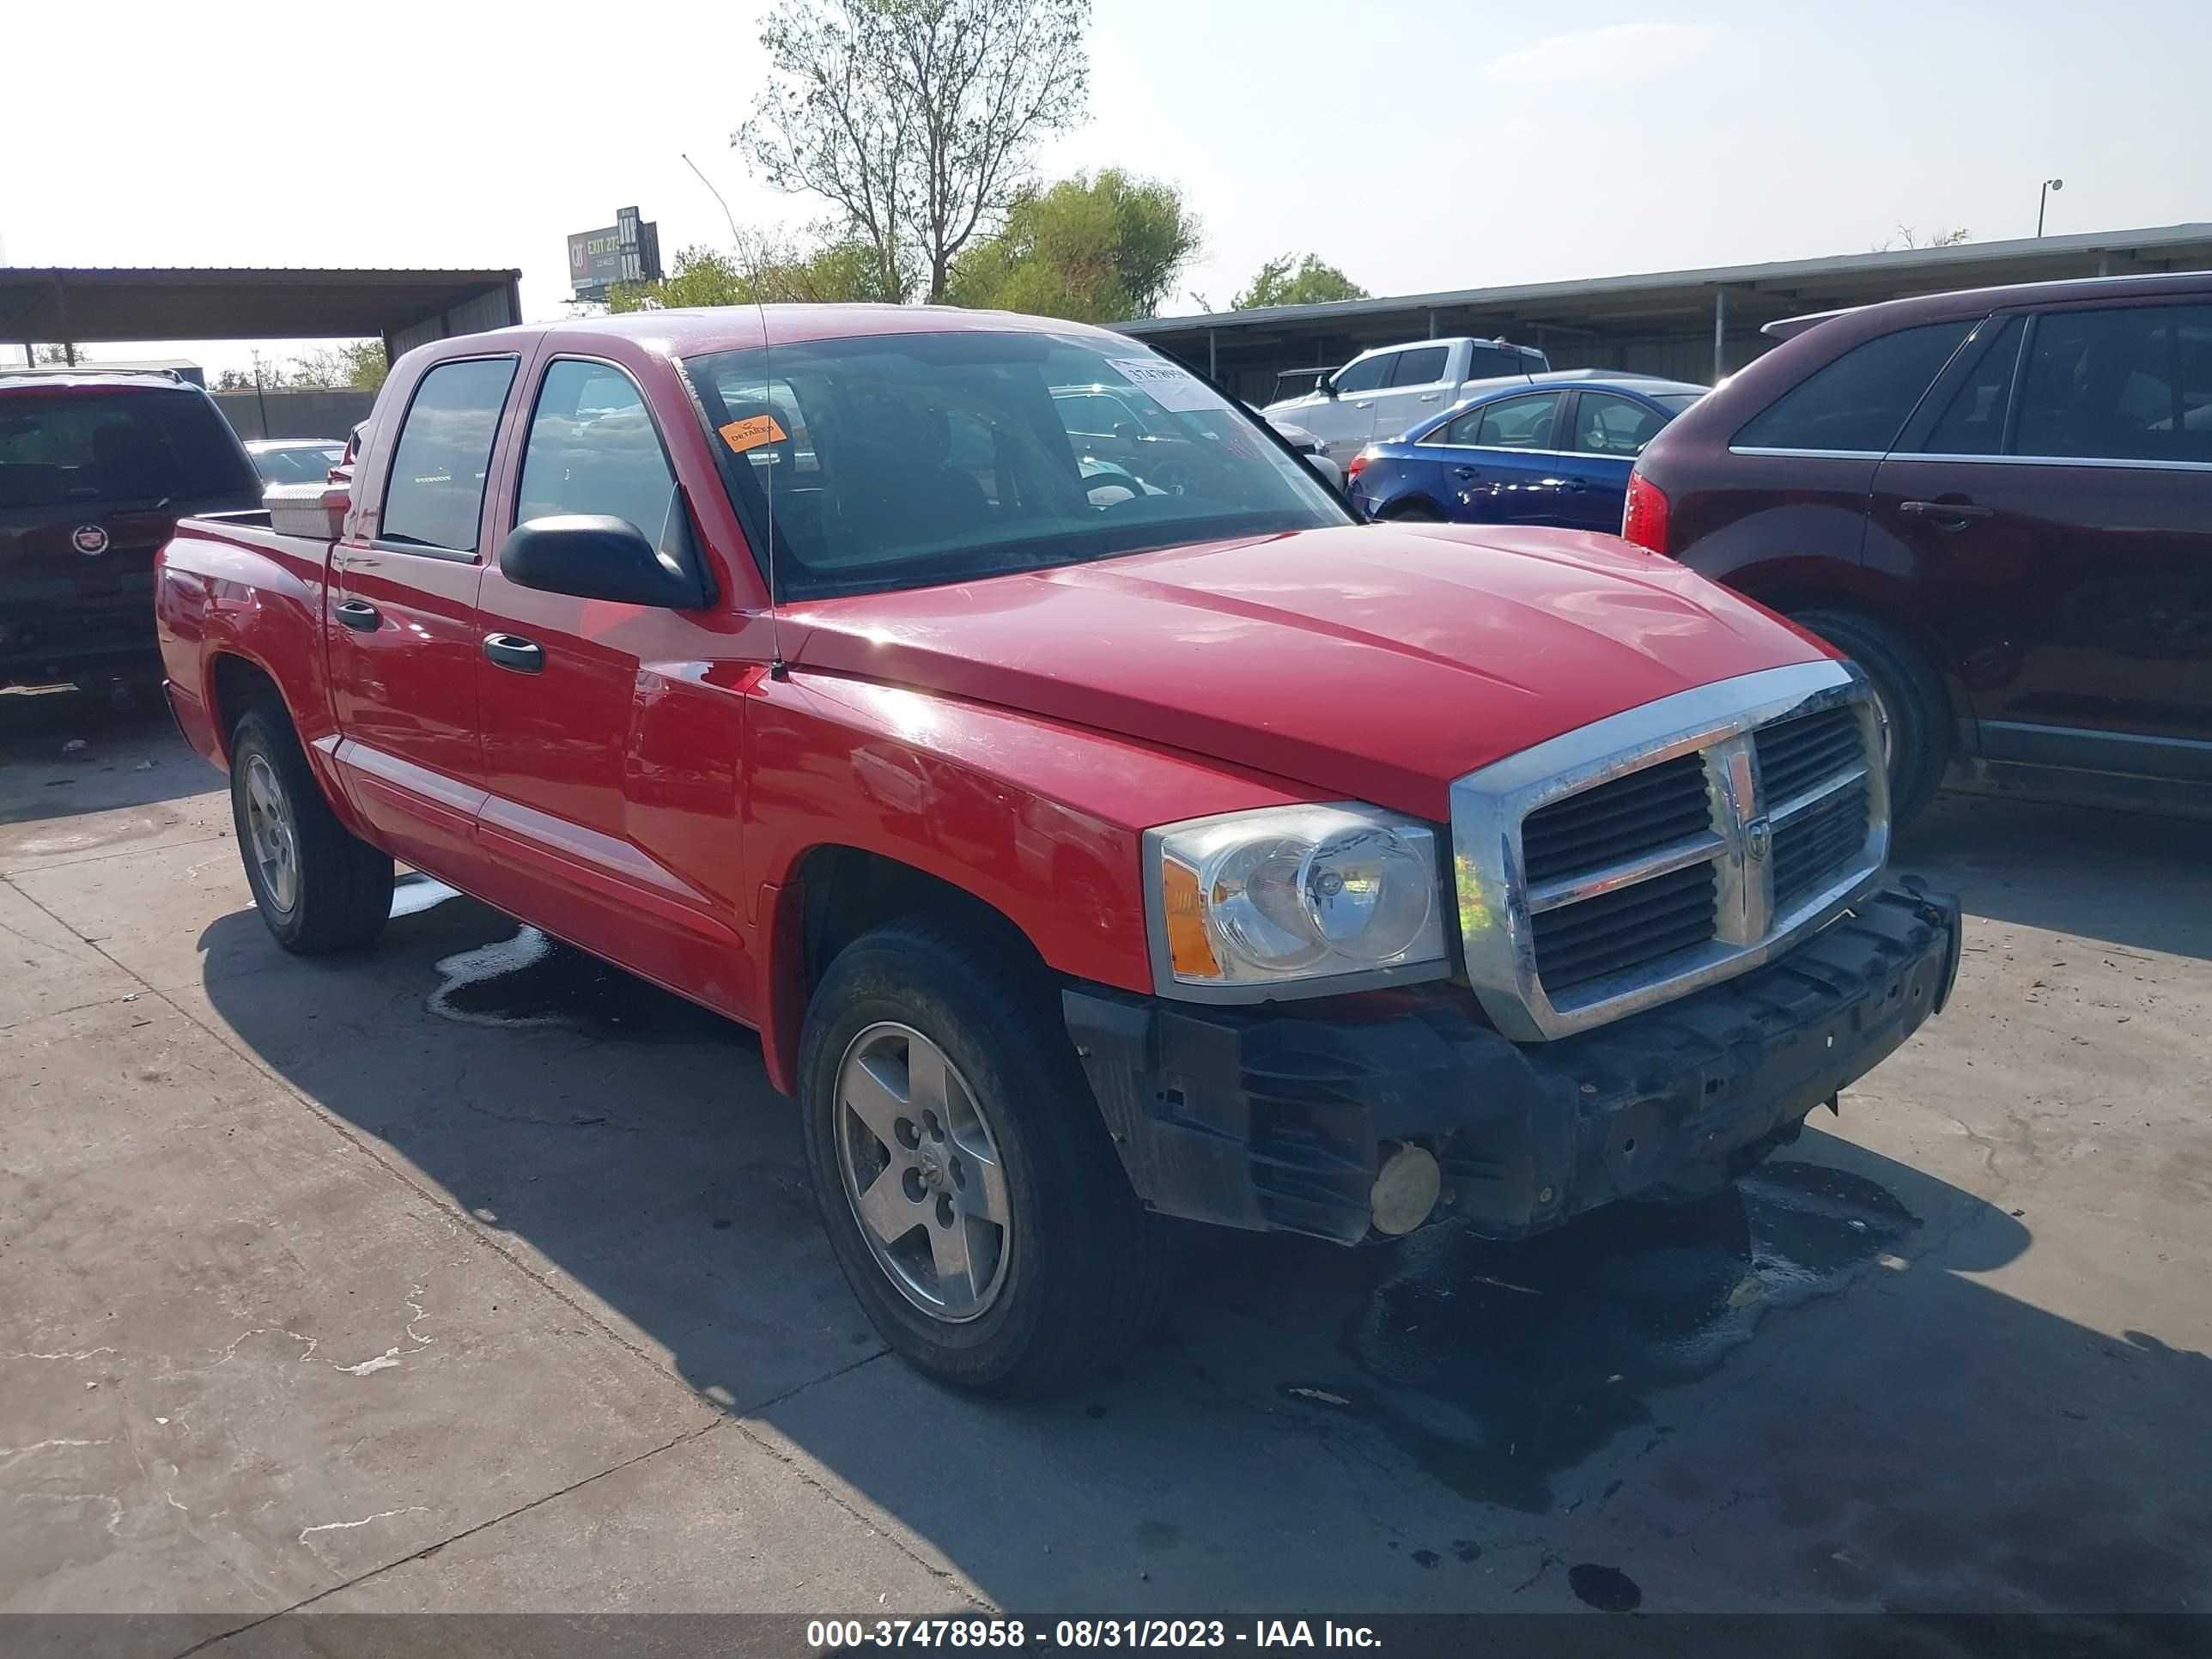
(751, 433)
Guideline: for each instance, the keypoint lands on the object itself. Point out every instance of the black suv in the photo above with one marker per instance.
(95, 469)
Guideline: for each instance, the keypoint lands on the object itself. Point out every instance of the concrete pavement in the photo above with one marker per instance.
(472, 1275)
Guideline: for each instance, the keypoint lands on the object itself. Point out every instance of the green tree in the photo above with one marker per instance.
(766, 268)
(1288, 280)
(1094, 249)
(358, 363)
(918, 120)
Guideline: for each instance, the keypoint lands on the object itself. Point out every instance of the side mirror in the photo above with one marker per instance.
(1326, 386)
(596, 555)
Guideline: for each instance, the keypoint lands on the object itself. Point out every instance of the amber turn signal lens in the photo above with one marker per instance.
(1190, 952)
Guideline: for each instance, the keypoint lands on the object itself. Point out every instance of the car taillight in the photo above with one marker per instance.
(1643, 519)
(1358, 465)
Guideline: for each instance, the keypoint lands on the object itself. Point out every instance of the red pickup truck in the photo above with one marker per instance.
(1094, 846)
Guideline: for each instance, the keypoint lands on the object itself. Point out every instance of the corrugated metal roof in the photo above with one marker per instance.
(1889, 268)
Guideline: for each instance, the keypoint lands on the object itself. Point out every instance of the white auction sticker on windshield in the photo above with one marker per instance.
(1168, 385)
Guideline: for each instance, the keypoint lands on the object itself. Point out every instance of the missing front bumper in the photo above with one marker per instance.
(1271, 1117)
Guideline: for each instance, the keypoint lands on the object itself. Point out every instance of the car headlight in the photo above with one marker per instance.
(1287, 899)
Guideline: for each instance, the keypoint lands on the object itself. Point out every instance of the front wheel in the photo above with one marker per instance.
(973, 1202)
(317, 887)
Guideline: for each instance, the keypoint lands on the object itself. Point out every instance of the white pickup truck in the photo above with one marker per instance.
(1379, 394)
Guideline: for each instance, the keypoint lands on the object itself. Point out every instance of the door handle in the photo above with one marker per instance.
(1463, 473)
(1364, 403)
(513, 651)
(359, 614)
(1431, 396)
(1574, 486)
(1946, 515)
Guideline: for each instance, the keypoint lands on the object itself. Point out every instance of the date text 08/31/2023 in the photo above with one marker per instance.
(827, 1635)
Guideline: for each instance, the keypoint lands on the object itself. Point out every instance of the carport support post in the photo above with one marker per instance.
(1719, 334)
(1213, 368)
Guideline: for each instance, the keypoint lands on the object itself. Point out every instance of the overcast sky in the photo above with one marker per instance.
(1419, 145)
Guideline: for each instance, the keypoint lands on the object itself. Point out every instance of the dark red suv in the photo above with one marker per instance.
(1999, 503)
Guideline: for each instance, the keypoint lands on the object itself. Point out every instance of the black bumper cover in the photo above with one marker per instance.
(1270, 1117)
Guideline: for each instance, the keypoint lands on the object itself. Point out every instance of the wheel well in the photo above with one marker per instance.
(1413, 503)
(847, 891)
(237, 685)
(834, 896)
(1790, 598)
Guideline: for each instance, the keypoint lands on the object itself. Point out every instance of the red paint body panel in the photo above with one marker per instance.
(653, 793)
(1299, 655)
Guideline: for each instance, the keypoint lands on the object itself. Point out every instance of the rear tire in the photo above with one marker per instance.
(1076, 1273)
(1912, 702)
(317, 887)
(1417, 513)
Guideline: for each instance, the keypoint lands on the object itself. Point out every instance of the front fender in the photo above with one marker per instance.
(1040, 820)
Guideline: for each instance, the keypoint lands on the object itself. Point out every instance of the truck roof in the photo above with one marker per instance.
(691, 330)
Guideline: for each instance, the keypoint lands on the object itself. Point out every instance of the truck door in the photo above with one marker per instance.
(610, 742)
(402, 619)
(1346, 423)
(1417, 389)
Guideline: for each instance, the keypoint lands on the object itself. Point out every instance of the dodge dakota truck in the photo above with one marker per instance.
(1094, 852)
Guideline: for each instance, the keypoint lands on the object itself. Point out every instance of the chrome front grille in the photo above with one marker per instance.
(1814, 842)
(1621, 819)
(1625, 928)
(1662, 849)
(1799, 753)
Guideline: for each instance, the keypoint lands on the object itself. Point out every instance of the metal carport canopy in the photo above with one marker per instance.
(1687, 299)
(114, 303)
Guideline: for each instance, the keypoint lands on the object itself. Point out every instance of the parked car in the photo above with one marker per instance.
(1556, 454)
(1109, 428)
(295, 460)
(1380, 393)
(1999, 504)
(96, 467)
(1198, 855)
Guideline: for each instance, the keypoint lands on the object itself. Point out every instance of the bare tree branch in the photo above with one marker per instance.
(918, 120)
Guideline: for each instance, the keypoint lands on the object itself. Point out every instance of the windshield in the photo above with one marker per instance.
(906, 460)
(70, 448)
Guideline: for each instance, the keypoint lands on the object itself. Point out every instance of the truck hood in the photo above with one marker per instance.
(1374, 663)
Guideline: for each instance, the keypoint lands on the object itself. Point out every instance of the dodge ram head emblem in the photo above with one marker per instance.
(88, 540)
(1758, 837)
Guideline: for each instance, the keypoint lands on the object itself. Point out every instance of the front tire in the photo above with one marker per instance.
(317, 887)
(972, 1197)
(1913, 706)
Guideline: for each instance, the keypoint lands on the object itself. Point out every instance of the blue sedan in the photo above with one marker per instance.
(1556, 453)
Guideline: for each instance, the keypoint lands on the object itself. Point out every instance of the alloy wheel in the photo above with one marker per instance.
(922, 1172)
(275, 846)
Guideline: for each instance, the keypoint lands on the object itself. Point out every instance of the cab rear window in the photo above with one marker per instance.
(128, 445)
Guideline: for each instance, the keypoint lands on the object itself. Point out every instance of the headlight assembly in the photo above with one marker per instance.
(1294, 901)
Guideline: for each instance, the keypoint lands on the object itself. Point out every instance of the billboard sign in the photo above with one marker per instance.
(627, 251)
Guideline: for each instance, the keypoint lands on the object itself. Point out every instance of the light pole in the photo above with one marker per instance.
(2043, 197)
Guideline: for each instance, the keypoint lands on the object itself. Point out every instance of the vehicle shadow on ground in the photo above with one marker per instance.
(2127, 879)
(65, 752)
(1326, 1425)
